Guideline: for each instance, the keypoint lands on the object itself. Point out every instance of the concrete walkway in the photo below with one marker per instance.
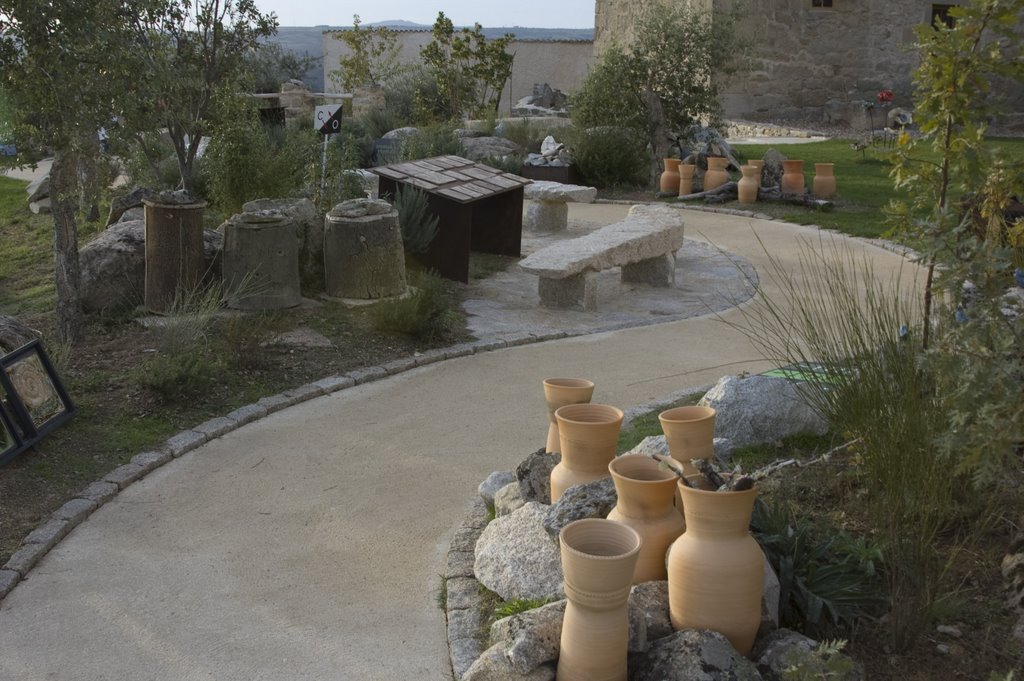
(308, 545)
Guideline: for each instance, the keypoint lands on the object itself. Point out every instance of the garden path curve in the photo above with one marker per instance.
(308, 545)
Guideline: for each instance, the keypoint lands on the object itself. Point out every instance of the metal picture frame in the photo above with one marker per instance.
(33, 400)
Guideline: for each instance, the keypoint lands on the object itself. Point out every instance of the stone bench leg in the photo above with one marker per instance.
(547, 216)
(660, 271)
(578, 292)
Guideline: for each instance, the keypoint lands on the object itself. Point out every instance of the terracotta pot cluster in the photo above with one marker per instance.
(714, 568)
(823, 186)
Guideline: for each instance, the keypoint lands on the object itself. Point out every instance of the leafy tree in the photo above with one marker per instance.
(667, 78)
(271, 64)
(470, 70)
(63, 65)
(373, 55)
(959, 189)
(189, 51)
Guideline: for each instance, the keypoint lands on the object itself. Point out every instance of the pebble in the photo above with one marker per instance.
(949, 630)
(943, 649)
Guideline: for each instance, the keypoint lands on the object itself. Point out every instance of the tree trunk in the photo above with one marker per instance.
(660, 142)
(63, 202)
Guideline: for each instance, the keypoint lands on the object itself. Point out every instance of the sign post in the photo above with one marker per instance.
(327, 121)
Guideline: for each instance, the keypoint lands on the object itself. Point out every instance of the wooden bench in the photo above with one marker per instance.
(643, 245)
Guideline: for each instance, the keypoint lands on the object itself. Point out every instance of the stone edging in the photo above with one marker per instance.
(462, 591)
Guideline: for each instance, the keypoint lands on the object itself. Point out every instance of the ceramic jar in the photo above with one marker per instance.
(690, 433)
(716, 569)
(588, 435)
(598, 559)
(646, 492)
(716, 175)
(559, 392)
(749, 184)
(669, 181)
(686, 178)
(793, 177)
(824, 184)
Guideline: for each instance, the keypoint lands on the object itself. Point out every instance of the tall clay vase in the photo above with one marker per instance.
(598, 558)
(669, 181)
(749, 184)
(716, 175)
(588, 435)
(824, 185)
(716, 569)
(646, 492)
(793, 177)
(686, 178)
(559, 392)
(690, 433)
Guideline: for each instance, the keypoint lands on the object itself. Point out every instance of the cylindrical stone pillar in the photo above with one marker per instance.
(363, 254)
(261, 261)
(174, 249)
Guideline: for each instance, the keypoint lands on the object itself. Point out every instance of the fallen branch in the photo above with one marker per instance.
(729, 188)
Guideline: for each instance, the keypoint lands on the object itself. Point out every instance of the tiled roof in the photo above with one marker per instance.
(453, 177)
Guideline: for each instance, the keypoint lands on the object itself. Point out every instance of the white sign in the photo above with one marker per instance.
(327, 119)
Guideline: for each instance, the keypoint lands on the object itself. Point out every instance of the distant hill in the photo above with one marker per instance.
(308, 40)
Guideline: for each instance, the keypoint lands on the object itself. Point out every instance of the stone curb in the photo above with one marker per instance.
(61, 522)
(462, 604)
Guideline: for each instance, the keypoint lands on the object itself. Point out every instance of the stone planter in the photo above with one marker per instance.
(588, 434)
(598, 559)
(558, 392)
(261, 262)
(645, 495)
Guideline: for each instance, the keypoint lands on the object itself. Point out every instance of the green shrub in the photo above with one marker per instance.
(411, 96)
(610, 157)
(518, 605)
(426, 314)
(177, 376)
(377, 122)
(418, 225)
(529, 134)
(436, 139)
(827, 578)
(355, 132)
(511, 163)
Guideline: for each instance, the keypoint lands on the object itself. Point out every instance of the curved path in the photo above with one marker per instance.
(308, 545)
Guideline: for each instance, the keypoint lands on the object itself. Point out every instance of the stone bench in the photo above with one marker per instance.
(643, 245)
(549, 212)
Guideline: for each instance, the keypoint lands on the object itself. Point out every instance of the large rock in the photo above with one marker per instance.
(534, 475)
(542, 190)
(783, 650)
(309, 231)
(530, 639)
(120, 205)
(650, 600)
(757, 409)
(38, 189)
(482, 148)
(515, 557)
(494, 666)
(691, 655)
(593, 500)
(113, 265)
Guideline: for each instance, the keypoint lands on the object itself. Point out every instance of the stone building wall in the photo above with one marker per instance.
(562, 64)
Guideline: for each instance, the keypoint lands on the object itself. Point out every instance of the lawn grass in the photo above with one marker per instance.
(864, 188)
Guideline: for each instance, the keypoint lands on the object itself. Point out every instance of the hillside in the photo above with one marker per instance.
(308, 40)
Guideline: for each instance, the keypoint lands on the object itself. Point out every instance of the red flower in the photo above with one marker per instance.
(884, 97)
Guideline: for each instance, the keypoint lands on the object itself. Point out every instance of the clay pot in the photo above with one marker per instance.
(793, 177)
(716, 569)
(598, 558)
(716, 175)
(669, 181)
(588, 435)
(646, 492)
(690, 433)
(686, 178)
(824, 184)
(749, 184)
(559, 392)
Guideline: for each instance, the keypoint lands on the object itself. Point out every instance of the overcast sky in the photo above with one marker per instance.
(527, 13)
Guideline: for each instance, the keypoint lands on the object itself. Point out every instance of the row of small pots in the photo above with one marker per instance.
(679, 176)
(714, 567)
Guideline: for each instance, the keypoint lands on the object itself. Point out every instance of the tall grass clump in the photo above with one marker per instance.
(427, 314)
(418, 224)
(833, 310)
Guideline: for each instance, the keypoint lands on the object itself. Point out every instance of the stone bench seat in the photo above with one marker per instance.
(549, 212)
(643, 245)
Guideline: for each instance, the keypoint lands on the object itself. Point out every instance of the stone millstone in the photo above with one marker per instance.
(515, 557)
(309, 226)
(363, 253)
(261, 261)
